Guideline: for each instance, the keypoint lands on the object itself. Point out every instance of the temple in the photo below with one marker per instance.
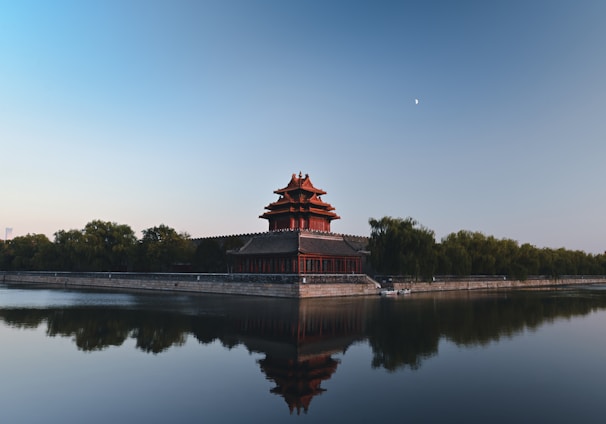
(299, 240)
(299, 207)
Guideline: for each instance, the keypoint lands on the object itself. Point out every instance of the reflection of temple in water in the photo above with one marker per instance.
(299, 338)
(299, 342)
(298, 381)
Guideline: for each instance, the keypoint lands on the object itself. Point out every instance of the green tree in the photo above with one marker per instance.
(108, 246)
(601, 263)
(527, 262)
(162, 248)
(505, 257)
(402, 246)
(455, 255)
(71, 250)
(210, 257)
(30, 252)
(470, 253)
(4, 259)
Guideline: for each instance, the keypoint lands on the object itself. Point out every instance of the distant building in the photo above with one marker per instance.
(299, 240)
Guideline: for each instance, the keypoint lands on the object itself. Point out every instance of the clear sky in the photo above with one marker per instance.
(190, 114)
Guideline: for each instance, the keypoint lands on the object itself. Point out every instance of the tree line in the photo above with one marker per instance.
(108, 246)
(398, 247)
(404, 247)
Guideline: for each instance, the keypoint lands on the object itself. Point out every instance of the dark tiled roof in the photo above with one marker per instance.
(357, 243)
(291, 242)
(271, 244)
(325, 246)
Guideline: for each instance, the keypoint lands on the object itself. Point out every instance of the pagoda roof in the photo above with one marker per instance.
(293, 210)
(300, 183)
(299, 206)
(300, 197)
(287, 199)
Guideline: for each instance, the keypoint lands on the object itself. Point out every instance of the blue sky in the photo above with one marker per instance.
(190, 114)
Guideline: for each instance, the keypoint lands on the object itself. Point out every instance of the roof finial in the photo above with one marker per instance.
(300, 174)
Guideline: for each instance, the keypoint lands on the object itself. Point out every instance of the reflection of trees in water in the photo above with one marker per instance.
(208, 329)
(489, 318)
(401, 331)
(24, 318)
(90, 332)
(98, 329)
(402, 334)
(156, 333)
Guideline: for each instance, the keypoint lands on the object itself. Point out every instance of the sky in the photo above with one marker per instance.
(191, 113)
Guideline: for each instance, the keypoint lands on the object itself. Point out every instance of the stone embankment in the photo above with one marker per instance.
(485, 283)
(269, 285)
(280, 285)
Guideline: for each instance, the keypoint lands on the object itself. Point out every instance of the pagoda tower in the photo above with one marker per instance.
(299, 207)
(299, 240)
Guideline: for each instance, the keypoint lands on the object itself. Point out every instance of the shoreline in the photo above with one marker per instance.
(293, 286)
(470, 284)
(277, 285)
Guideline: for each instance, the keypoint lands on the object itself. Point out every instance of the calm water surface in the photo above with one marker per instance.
(72, 356)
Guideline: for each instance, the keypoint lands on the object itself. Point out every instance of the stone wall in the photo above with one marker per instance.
(336, 290)
(270, 285)
(273, 285)
(494, 284)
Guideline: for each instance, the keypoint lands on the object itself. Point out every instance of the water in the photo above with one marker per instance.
(101, 357)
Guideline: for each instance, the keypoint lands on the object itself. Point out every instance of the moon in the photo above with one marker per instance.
(416, 101)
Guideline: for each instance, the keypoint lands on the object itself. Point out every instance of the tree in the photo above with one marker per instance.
(402, 246)
(210, 257)
(30, 252)
(162, 248)
(505, 256)
(470, 253)
(455, 255)
(526, 262)
(70, 248)
(108, 246)
(4, 258)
